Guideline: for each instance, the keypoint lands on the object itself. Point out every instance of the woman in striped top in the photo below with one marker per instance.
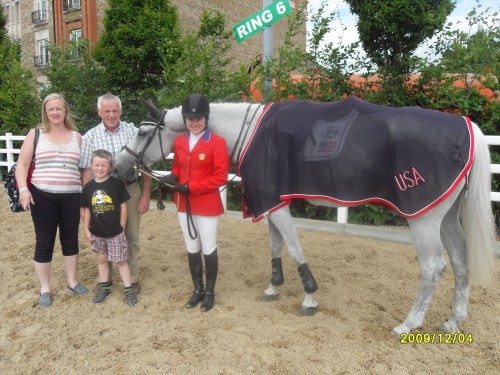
(53, 197)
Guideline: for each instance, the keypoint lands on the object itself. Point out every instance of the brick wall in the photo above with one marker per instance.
(28, 31)
(189, 12)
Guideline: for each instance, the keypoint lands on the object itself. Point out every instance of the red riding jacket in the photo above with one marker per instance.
(204, 170)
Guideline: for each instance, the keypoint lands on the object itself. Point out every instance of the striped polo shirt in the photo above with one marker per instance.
(100, 138)
(56, 166)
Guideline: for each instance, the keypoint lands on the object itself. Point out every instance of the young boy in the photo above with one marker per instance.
(103, 199)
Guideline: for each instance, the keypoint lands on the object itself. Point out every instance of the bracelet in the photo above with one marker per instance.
(23, 189)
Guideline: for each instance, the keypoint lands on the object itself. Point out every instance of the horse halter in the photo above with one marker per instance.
(139, 164)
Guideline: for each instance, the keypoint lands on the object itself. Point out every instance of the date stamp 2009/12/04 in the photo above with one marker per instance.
(436, 338)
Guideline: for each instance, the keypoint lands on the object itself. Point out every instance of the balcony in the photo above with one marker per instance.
(41, 60)
(39, 16)
(70, 5)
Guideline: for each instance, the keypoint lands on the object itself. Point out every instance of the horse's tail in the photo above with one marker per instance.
(477, 216)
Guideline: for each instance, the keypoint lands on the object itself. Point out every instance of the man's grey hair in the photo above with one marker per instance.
(108, 97)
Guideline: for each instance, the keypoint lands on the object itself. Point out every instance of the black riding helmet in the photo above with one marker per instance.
(195, 105)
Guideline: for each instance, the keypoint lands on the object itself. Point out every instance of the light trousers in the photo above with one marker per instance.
(206, 226)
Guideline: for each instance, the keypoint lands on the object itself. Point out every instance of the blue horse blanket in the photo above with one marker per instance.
(352, 152)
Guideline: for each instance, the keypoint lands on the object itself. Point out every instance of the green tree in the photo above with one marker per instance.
(323, 70)
(391, 30)
(472, 58)
(19, 104)
(140, 40)
(203, 65)
(320, 74)
(76, 74)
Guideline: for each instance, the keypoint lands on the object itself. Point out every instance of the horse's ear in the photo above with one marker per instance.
(154, 112)
(161, 120)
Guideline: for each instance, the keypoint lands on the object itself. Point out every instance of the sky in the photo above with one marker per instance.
(348, 20)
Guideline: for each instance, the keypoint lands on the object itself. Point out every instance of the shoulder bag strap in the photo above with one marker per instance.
(37, 135)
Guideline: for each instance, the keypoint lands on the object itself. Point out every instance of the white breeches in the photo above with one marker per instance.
(206, 226)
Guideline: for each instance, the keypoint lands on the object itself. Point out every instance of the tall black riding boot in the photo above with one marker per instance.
(211, 268)
(196, 269)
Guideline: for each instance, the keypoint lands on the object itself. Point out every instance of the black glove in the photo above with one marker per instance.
(182, 188)
(170, 179)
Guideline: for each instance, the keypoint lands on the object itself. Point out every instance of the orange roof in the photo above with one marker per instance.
(358, 80)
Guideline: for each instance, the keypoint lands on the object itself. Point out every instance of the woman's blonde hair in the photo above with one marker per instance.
(68, 120)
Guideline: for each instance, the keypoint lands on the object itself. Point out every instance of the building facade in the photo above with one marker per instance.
(40, 23)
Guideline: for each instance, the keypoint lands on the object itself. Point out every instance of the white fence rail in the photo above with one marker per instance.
(8, 141)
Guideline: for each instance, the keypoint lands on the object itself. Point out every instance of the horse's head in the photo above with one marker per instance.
(152, 142)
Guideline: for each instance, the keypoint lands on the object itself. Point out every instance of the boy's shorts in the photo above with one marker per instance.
(115, 247)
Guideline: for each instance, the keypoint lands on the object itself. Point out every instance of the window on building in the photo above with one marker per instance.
(6, 9)
(17, 14)
(69, 5)
(41, 52)
(40, 14)
(13, 15)
(75, 35)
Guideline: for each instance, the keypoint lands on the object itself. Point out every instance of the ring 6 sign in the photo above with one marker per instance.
(261, 19)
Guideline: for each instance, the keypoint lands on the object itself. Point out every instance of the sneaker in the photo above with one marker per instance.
(45, 299)
(78, 290)
(101, 295)
(98, 286)
(131, 298)
(137, 287)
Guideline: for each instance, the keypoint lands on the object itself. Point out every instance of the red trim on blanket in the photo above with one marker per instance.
(282, 204)
(287, 199)
(383, 202)
(264, 111)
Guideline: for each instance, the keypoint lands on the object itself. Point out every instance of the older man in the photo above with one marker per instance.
(111, 135)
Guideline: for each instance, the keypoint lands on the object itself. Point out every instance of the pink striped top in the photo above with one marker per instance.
(56, 166)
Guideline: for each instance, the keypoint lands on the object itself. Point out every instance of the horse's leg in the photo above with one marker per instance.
(283, 221)
(427, 241)
(454, 241)
(277, 278)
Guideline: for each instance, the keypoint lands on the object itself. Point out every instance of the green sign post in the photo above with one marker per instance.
(261, 19)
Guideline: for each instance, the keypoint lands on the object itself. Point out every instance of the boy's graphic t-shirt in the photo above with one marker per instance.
(104, 200)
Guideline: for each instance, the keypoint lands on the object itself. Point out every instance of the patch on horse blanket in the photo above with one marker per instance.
(352, 152)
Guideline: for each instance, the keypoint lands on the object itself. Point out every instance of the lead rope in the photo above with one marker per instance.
(159, 199)
(193, 233)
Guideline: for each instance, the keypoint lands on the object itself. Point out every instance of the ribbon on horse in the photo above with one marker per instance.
(352, 152)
